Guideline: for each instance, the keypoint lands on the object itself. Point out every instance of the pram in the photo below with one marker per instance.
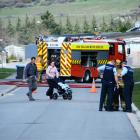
(61, 90)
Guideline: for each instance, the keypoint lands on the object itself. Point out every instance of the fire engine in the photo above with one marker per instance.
(79, 59)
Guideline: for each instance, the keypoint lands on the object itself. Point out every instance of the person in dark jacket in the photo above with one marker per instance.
(109, 81)
(30, 76)
(127, 75)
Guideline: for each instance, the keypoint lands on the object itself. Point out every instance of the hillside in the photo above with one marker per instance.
(75, 10)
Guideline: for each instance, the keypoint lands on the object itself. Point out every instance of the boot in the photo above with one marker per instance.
(30, 97)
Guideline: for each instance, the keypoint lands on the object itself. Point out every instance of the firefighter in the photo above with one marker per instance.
(118, 93)
(39, 68)
(108, 83)
(127, 75)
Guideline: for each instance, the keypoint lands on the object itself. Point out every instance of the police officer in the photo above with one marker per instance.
(108, 83)
(30, 76)
(118, 93)
(127, 75)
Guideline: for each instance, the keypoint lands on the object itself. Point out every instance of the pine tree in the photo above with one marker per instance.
(86, 28)
(27, 22)
(93, 24)
(77, 27)
(61, 27)
(25, 36)
(103, 26)
(112, 25)
(1, 27)
(48, 20)
(33, 23)
(68, 26)
(10, 29)
(128, 24)
(18, 25)
(49, 23)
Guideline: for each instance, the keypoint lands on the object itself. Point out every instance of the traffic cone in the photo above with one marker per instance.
(93, 88)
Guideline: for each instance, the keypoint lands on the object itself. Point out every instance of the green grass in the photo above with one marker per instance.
(4, 72)
(136, 95)
(136, 92)
(137, 75)
(75, 10)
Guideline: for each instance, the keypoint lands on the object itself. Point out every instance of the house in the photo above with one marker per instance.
(16, 51)
(3, 55)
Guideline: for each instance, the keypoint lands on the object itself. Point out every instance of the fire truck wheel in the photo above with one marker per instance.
(55, 96)
(87, 77)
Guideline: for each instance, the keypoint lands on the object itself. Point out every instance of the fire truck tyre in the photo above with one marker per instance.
(55, 96)
(87, 77)
(69, 96)
(65, 96)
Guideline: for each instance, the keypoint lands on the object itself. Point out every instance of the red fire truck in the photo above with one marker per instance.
(79, 60)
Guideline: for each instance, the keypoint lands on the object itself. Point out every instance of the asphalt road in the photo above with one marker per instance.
(44, 119)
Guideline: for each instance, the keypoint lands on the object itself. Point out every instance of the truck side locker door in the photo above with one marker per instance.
(112, 51)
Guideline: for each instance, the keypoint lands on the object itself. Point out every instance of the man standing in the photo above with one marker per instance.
(108, 83)
(127, 75)
(30, 75)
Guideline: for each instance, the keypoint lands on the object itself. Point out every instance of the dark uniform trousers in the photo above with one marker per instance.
(107, 91)
(128, 88)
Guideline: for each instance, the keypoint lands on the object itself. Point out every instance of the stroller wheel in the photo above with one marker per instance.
(51, 97)
(69, 96)
(55, 96)
(65, 96)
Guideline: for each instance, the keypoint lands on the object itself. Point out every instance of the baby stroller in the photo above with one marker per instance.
(61, 89)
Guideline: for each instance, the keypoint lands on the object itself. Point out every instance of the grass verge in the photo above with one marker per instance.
(136, 95)
(137, 75)
(136, 92)
(4, 72)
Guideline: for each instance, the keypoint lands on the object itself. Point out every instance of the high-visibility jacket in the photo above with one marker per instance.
(120, 80)
(39, 65)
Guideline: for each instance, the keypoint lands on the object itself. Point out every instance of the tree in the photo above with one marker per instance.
(48, 20)
(77, 27)
(68, 26)
(86, 28)
(61, 27)
(123, 26)
(27, 22)
(112, 25)
(49, 23)
(25, 36)
(1, 28)
(10, 29)
(103, 26)
(18, 25)
(93, 24)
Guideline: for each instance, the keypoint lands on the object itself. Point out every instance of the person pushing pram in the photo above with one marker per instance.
(52, 76)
